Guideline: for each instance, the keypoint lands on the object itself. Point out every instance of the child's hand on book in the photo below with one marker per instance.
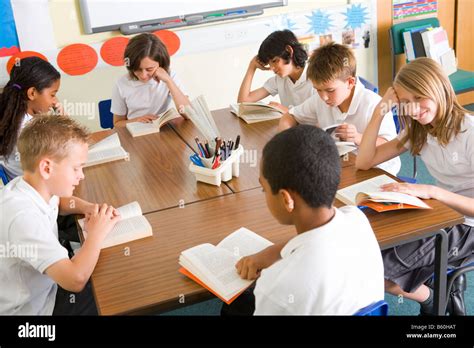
(417, 190)
(283, 108)
(145, 118)
(348, 132)
(249, 267)
(101, 221)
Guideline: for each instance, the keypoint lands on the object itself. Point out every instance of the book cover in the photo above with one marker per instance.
(213, 267)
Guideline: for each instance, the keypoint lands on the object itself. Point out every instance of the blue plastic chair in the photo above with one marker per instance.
(379, 309)
(106, 117)
(369, 85)
(3, 175)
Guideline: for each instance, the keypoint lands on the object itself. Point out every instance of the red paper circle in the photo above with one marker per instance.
(170, 39)
(77, 59)
(112, 50)
(21, 55)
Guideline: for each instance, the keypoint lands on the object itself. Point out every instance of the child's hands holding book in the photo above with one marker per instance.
(283, 108)
(417, 190)
(101, 220)
(149, 118)
(348, 132)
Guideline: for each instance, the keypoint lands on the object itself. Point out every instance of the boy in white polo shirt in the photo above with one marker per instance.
(341, 99)
(282, 53)
(333, 265)
(53, 151)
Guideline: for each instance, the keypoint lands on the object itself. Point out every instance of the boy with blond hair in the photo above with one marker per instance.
(53, 151)
(341, 99)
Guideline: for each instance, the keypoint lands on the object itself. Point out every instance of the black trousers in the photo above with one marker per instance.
(71, 303)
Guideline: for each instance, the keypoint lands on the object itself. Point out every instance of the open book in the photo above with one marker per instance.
(343, 147)
(106, 150)
(213, 267)
(132, 225)
(255, 112)
(368, 193)
(138, 129)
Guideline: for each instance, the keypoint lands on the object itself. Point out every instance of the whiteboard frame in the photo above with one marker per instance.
(136, 27)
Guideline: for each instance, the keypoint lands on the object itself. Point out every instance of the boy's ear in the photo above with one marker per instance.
(288, 200)
(352, 81)
(31, 93)
(289, 49)
(45, 167)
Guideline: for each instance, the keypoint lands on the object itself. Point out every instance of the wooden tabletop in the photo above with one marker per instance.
(147, 281)
(253, 138)
(157, 175)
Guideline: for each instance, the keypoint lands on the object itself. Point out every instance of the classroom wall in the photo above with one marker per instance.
(215, 74)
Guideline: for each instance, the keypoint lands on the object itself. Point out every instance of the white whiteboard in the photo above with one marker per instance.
(108, 15)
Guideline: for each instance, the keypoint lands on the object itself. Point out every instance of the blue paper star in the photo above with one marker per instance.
(320, 22)
(355, 16)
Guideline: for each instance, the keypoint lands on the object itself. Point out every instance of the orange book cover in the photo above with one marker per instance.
(188, 274)
(381, 207)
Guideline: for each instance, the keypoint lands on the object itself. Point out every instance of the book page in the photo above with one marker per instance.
(348, 194)
(166, 116)
(110, 142)
(215, 267)
(105, 154)
(130, 210)
(142, 128)
(258, 108)
(342, 149)
(127, 230)
(124, 231)
(244, 242)
(234, 108)
(391, 197)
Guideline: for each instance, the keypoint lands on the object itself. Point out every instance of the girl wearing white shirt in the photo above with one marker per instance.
(285, 56)
(441, 132)
(31, 90)
(149, 86)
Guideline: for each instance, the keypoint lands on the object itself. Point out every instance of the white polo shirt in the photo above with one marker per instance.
(135, 98)
(291, 94)
(316, 112)
(12, 163)
(452, 165)
(28, 246)
(335, 269)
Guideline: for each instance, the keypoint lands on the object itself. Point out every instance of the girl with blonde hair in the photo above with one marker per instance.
(439, 130)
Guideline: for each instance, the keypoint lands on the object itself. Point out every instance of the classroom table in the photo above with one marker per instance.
(253, 138)
(156, 175)
(146, 279)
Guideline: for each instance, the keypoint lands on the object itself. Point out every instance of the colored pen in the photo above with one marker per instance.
(206, 146)
(237, 141)
(201, 150)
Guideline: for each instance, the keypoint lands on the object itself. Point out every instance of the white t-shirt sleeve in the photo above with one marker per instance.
(271, 86)
(119, 107)
(264, 305)
(37, 244)
(306, 113)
